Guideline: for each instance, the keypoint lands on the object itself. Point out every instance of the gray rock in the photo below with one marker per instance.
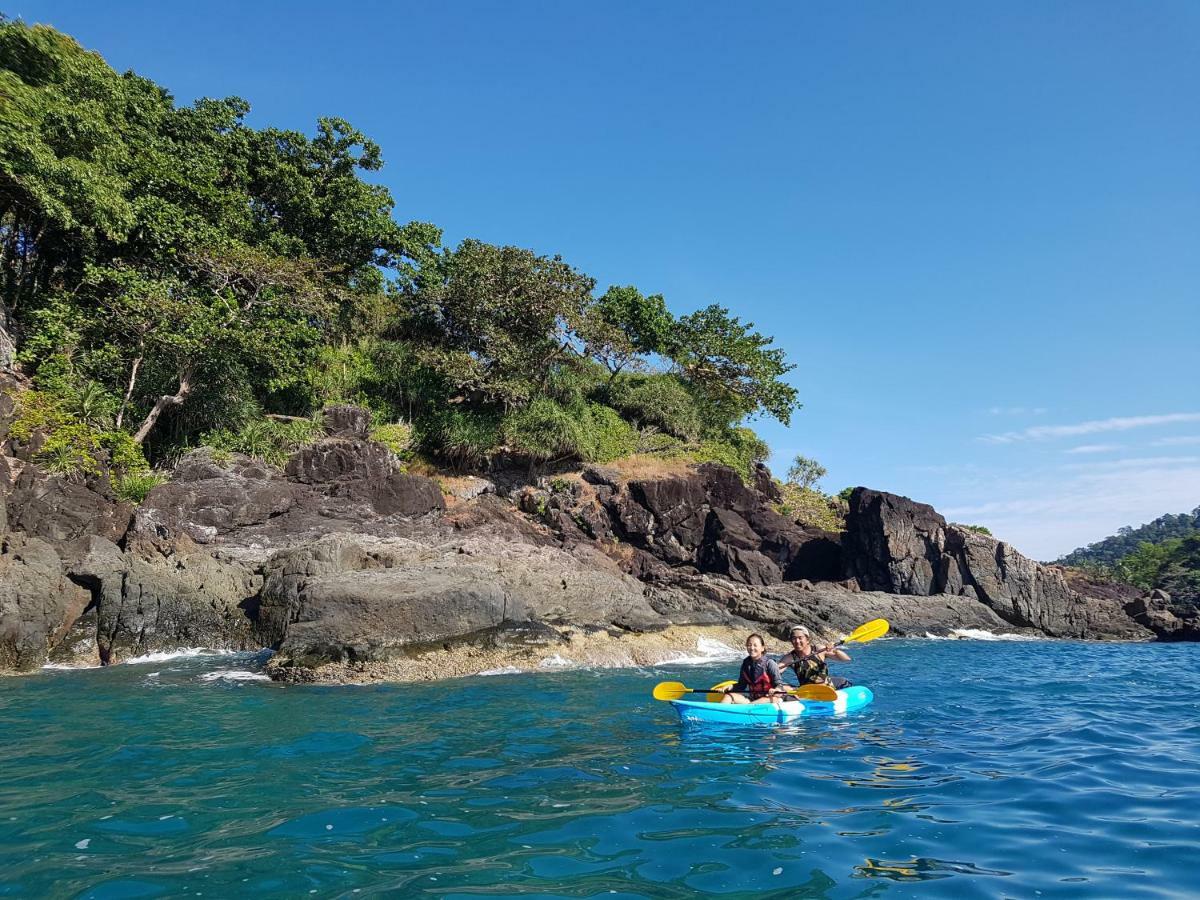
(347, 421)
(38, 603)
(355, 599)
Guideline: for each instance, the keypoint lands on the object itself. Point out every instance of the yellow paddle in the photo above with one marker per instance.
(675, 690)
(876, 628)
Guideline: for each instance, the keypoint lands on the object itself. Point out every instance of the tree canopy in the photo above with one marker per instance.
(184, 273)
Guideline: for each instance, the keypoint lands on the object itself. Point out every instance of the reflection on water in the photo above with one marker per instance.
(119, 784)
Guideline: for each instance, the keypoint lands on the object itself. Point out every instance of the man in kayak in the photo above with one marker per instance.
(758, 681)
(809, 664)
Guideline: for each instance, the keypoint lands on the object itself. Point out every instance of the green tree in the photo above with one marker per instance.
(805, 472)
(498, 320)
(733, 364)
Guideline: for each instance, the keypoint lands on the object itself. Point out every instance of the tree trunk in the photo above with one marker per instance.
(185, 387)
(129, 390)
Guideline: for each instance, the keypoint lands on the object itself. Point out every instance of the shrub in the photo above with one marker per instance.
(397, 437)
(545, 430)
(461, 437)
(72, 447)
(810, 507)
(661, 401)
(739, 448)
(608, 436)
(266, 439)
(978, 529)
(134, 487)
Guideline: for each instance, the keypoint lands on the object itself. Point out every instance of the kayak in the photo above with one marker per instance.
(849, 699)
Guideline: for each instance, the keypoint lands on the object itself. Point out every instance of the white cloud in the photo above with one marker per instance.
(1144, 462)
(1179, 440)
(1017, 411)
(1047, 516)
(1096, 426)
(1093, 448)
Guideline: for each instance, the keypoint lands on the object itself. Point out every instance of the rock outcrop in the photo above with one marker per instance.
(895, 545)
(344, 559)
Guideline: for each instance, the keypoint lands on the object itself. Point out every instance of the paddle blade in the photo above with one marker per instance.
(821, 692)
(669, 690)
(876, 628)
(717, 691)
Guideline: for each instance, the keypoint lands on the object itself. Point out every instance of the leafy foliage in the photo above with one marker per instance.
(266, 439)
(978, 529)
(135, 487)
(805, 472)
(174, 275)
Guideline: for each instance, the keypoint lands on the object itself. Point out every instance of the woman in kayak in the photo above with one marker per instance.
(809, 664)
(758, 681)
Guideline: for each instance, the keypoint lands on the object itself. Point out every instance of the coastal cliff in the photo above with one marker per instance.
(351, 568)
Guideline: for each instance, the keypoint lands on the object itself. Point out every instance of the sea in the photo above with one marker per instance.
(984, 768)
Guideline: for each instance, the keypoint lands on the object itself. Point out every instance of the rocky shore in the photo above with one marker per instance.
(353, 569)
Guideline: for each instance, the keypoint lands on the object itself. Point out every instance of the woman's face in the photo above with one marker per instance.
(800, 643)
(755, 648)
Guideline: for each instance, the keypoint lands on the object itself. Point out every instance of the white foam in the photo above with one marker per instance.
(503, 670)
(707, 650)
(83, 845)
(181, 653)
(68, 666)
(233, 675)
(555, 662)
(979, 634)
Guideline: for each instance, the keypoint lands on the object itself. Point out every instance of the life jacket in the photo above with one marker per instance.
(757, 678)
(810, 669)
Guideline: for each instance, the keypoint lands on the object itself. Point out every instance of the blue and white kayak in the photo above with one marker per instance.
(848, 700)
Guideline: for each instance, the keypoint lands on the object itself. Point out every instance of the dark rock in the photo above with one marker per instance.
(765, 484)
(399, 494)
(356, 599)
(168, 601)
(602, 475)
(339, 459)
(817, 559)
(206, 502)
(740, 564)
(58, 509)
(347, 421)
(893, 544)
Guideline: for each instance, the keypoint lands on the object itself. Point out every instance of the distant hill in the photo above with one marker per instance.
(1162, 554)
(1111, 550)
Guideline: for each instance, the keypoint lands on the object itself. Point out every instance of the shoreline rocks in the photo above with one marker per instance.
(344, 562)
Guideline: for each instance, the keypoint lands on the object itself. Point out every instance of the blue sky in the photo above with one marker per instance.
(975, 227)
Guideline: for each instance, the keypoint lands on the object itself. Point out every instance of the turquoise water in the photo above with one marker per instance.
(983, 769)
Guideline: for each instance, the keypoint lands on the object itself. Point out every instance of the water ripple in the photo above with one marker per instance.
(982, 769)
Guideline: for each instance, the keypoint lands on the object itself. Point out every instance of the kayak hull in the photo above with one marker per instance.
(697, 711)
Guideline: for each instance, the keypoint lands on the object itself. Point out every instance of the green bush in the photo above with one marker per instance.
(397, 437)
(608, 436)
(545, 430)
(738, 448)
(978, 529)
(72, 447)
(810, 507)
(463, 438)
(660, 401)
(134, 487)
(266, 439)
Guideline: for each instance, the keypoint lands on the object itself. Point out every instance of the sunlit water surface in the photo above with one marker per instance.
(983, 769)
